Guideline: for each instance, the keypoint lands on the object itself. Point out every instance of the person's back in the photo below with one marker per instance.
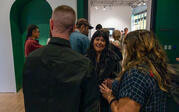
(79, 38)
(79, 42)
(56, 78)
(140, 86)
(145, 79)
(56, 84)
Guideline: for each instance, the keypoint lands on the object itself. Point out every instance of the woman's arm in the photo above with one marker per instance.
(177, 59)
(125, 105)
(122, 105)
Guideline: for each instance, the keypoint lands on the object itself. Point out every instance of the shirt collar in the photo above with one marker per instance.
(60, 42)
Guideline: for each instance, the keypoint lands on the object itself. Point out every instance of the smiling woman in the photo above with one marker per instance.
(105, 61)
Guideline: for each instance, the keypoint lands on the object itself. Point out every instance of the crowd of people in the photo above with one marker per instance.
(74, 74)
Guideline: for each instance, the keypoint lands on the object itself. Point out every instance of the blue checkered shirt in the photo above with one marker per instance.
(143, 89)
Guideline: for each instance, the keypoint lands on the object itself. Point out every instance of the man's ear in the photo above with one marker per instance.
(51, 25)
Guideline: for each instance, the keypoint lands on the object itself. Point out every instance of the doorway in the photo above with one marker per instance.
(22, 14)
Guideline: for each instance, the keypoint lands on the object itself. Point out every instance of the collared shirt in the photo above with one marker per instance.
(31, 45)
(143, 89)
(58, 79)
(79, 42)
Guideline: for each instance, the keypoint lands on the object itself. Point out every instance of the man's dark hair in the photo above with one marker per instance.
(125, 29)
(83, 21)
(98, 27)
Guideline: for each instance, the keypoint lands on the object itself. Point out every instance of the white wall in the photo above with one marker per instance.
(55, 3)
(7, 75)
(115, 17)
(149, 6)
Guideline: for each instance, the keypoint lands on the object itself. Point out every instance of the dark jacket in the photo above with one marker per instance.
(108, 67)
(57, 79)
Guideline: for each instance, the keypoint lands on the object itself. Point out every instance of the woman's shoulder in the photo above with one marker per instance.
(139, 75)
(135, 72)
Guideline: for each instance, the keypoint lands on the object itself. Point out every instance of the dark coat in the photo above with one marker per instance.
(57, 79)
(108, 67)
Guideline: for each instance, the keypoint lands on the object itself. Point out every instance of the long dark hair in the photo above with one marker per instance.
(91, 51)
(30, 30)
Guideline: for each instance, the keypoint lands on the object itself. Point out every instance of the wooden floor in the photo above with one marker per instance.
(12, 102)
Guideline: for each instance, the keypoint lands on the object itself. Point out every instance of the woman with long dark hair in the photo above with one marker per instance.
(145, 79)
(105, 61)
(31, 42)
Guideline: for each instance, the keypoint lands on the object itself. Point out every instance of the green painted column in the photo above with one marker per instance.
(82, 9)
(166, 26)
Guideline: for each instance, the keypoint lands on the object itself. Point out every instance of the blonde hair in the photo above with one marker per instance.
(142, 48)
(116, 35)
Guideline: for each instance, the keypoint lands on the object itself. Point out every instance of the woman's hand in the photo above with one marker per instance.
(108, 83)
(177, 59)
(106, 92)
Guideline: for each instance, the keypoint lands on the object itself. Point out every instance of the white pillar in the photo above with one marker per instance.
(149, 6)
(7, 74)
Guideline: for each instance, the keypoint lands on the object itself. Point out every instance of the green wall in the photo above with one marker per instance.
(167, 26)
(82, 9)
(23, 13)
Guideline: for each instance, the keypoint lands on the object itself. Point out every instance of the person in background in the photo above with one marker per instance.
(117, 37)
(111, 46)
(125, 31)
(124, 35)
(145, 79)
(105, 61)
(31, 42)
(56, 78)
(79, 38)
(121, 33)
(99, 27)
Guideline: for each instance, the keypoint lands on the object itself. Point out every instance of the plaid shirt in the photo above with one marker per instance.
(143, 89)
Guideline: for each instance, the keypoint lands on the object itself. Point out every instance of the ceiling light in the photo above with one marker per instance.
(104, 8)
(96, 7)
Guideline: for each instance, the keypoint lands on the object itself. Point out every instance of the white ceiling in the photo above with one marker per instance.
(132, 3)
